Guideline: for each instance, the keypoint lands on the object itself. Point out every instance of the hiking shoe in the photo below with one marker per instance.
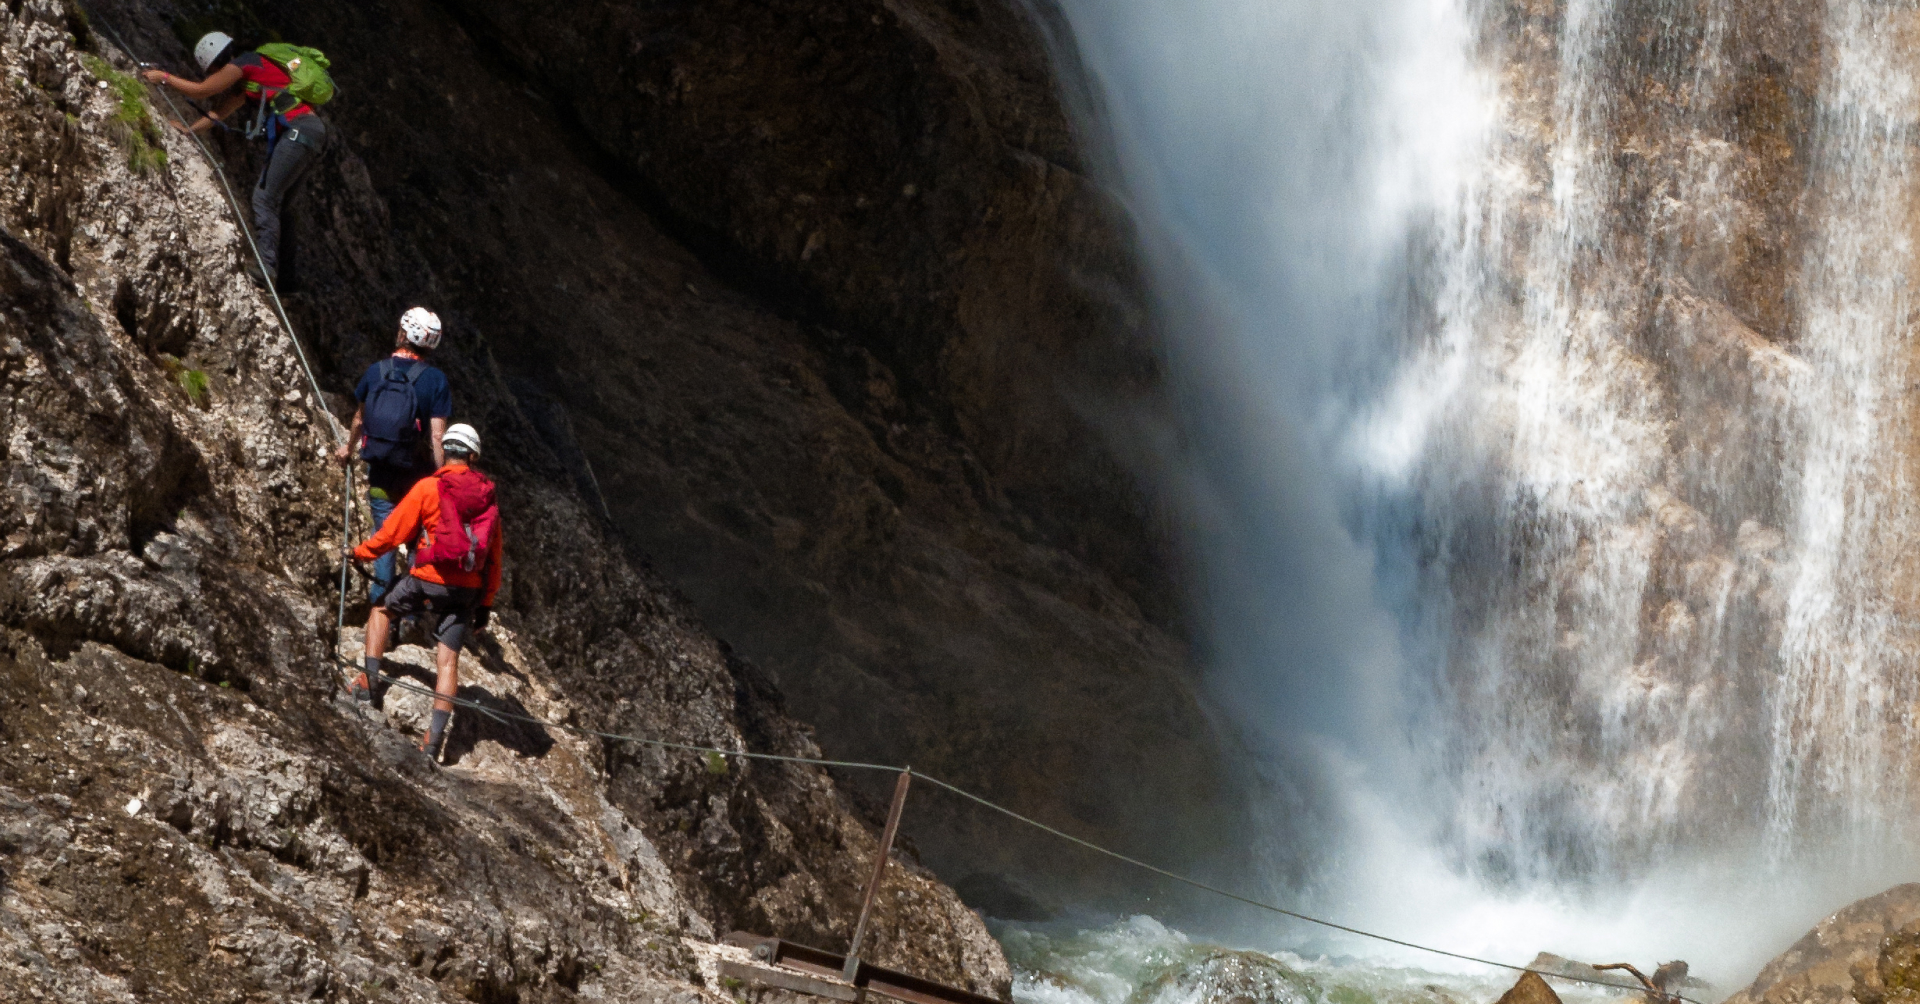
(434, 755)
(374, 693)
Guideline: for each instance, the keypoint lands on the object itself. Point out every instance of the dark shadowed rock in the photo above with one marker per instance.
(189, 809)
(816, 304)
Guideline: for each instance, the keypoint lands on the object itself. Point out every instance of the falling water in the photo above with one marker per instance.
(1842, 715)
(1543, 369)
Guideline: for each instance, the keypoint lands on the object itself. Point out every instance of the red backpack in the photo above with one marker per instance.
(468, 522)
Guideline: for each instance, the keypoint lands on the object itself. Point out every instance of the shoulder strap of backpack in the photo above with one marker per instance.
(386, 368)
(413, 372)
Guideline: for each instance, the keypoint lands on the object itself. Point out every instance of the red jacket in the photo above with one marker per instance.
(418, 515)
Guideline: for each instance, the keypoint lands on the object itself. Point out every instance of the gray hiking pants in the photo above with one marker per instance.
(296, 151)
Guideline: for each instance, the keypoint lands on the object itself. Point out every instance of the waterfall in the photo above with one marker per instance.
(1541, 372)
(1843, 710)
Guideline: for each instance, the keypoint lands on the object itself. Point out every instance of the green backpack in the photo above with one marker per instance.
(306, 69)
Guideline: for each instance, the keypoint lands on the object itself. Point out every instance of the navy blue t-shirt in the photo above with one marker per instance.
(434, 399)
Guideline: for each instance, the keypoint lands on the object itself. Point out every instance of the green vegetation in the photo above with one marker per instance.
(716, 764)
(193, 381)
(141, 133)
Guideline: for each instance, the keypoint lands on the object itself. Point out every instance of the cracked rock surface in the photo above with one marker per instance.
(190, 807)
(820, 304)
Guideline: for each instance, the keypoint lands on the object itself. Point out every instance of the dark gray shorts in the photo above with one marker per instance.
(447, 610)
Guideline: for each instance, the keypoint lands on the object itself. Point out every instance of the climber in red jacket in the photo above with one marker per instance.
(455, 526)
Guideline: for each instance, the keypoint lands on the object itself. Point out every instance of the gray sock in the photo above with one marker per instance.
(437, 729)
(373, 669)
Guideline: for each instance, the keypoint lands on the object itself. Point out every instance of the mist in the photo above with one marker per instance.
(1538, 648)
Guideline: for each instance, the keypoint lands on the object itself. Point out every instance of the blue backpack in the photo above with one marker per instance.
(391, 415)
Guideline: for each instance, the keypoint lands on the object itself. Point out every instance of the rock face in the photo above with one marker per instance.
(811, 301)
(1827, 965)
(189, 808)
(1674, 488)
(1529, 989)
(1895, 974)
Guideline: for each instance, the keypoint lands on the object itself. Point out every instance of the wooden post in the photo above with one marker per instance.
(879, 868)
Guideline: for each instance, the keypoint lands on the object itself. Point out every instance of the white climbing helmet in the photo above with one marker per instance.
(461, 436)
(422, 328)
(209, 48)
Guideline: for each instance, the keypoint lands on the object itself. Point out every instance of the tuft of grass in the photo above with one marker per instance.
(142, 133)
(716, 764)
(193, 381)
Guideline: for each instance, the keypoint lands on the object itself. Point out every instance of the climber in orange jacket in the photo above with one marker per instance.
(454, 525)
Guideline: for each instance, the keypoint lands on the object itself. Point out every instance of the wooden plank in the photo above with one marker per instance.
(892, 983)
(778, 979)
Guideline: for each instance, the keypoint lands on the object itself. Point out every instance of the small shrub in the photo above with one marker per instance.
(140, 132)
(716, 764)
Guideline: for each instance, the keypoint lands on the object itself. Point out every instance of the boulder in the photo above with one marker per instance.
(1894, 976)
(1821, 967)
(1529, 989)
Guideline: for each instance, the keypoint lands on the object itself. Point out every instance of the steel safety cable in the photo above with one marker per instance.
(280, 310)
(273, 292)
(1283, 911)
(499, 714)
(346, 540)
(502, 716)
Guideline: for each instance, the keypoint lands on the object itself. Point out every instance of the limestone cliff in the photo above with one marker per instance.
(189, 808)
(814, 303)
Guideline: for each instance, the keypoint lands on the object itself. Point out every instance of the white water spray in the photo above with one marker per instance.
(1568, 555)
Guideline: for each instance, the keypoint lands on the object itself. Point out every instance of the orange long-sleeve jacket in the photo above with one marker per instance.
(420, 511)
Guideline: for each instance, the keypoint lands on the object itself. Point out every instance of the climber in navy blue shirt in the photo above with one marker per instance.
(404, 407)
